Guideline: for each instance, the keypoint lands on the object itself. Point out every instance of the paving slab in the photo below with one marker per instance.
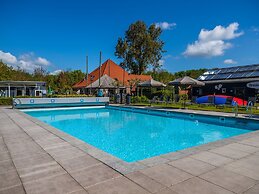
(229, 152)
(40, 171)
(3, 148)
(9, 179)
(192, 166)
(243, 147)
(174, 155)
(6, 165)
(95, 174)
(126, 167)
(253, 190)
(166, 174)
(117, 185)
(79, 163)
(154, 161)
(198, 186)
(229, 180)
(145, 181)
(18, 189)
(54, 185)
(253, 141)
(4, 156)
(212, 158)
(34, 160)
(65, 153)
(246, 166)
(166, 191)
(82, 191)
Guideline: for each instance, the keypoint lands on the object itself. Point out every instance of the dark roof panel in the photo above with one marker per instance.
(238, 72)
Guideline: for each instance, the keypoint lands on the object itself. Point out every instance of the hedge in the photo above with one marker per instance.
(6, 101)
(139, 99)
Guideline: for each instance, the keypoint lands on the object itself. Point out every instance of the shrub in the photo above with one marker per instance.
(183, 97)
(139, 99)
(6, 101)
(166, 93)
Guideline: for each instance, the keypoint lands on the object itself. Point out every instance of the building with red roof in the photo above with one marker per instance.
(115, 72)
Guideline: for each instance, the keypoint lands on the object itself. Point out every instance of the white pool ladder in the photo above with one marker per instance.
(249, 108)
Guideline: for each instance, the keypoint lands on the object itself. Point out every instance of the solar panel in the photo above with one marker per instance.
(240, 75)
(229, 70)
(236, 75)
(205, 77)
(221, 76)
(248, 68)
(231, 73)
(209, 77)
(254, 74)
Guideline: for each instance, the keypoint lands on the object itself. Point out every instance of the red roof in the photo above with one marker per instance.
(114, 71)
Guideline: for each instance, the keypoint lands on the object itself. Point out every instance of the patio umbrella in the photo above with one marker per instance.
(151, 83)
(105, 82)
(186, 81)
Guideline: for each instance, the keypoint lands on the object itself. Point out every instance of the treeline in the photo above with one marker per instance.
(61, 83)
(165, 76)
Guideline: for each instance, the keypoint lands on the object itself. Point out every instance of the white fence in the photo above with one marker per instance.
(58, 102)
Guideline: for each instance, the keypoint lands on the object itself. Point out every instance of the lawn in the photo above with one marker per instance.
(226, 109)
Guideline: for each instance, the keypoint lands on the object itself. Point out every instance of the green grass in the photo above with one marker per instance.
(226, 109)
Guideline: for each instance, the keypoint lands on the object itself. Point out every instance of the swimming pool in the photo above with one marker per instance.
(134, 134)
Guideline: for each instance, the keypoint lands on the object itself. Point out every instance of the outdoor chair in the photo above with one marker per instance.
(154, 100)
(168, 100)
(161, 100)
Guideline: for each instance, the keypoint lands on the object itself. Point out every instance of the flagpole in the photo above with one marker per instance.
(100, 63)
(86, 77)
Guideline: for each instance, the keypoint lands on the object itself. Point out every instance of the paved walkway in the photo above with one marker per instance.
(35, 159)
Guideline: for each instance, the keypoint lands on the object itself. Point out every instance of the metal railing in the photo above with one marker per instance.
(235, 108)
(249, 108)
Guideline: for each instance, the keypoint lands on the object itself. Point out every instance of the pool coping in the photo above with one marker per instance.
(124, 167)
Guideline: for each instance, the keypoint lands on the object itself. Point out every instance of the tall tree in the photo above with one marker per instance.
(140, 47)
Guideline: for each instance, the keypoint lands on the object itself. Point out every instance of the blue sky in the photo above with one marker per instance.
(59, 34)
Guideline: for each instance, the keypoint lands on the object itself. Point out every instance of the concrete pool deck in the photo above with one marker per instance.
(38, 158)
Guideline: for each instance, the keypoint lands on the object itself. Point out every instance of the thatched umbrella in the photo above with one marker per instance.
(186, 81)
(105, 83)
(151, 84)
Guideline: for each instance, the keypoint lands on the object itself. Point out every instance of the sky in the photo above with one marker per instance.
(57, 35)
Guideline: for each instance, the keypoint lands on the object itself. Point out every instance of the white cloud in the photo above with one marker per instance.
(230, 61)
(42, 61)
(212, 43)
(56, 72)
(27, 61)
(165, 25)
(8, 58)
(207, 49)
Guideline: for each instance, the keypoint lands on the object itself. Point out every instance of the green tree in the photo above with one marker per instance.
(140, 48)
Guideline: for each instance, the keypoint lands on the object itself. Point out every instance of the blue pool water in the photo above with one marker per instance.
(133, 136)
